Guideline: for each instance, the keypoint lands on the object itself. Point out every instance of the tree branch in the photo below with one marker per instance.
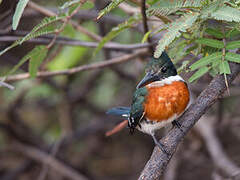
(145, 25)
(73, 42)
(159, 160)
(42, 157)
(98, 65)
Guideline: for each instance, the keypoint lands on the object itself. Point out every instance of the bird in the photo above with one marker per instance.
(160, 98)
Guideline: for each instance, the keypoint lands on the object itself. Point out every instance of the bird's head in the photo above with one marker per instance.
(158, 69)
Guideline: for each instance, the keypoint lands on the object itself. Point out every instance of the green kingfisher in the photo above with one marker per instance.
(160, 98)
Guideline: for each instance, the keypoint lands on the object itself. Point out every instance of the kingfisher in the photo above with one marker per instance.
(160, 98)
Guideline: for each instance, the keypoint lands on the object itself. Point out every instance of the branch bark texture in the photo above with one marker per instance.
(159, 160)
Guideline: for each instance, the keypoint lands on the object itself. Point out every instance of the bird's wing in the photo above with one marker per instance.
(137, 107)
(119, 111)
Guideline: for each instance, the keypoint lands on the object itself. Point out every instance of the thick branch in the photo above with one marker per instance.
(158, 161)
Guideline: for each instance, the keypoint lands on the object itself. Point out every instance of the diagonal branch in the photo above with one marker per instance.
(98, 65)
(158, 161)
(42, 157)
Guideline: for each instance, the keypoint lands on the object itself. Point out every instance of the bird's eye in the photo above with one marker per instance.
(164, 69)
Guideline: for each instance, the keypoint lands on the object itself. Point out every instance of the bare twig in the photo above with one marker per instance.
(9, 86)
(74, 42)
(219, 157)
(55, 164)
(117, 128)
(145, 25)
(79, 68)
(159, 160)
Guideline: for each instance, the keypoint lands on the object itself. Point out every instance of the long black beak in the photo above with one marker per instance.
(147, 79)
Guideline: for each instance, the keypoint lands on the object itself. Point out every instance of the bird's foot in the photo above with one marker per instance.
(160, 145)
(177, 124)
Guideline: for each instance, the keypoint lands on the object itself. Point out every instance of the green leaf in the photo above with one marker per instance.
(224, 68)
(198, 74)
(232, 57)
(232, 33)
(209, 8)
(227, 13)
(174, 30)
(18, 13)
(43, 28)
(35, 52)
(37, 56)
(233, 45)
(111, 6)
(145, 37)
(163, 8)
(206, 60)
(69, 3)
(214, 32)
(210, 42)
(116, 30)
(213, 71)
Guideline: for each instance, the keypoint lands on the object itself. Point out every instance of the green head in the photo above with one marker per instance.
(158, 69)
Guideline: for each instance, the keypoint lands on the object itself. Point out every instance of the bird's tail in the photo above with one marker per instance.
(120, 111)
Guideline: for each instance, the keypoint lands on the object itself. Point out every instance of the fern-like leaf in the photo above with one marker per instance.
(233, 45)
(232, 57)
(224, 68)
(214, 32)
(116, 30)
(69, 3)
(111, 6)
(206, 60)
(32, 54)
(43, 28)
(168, 7)
(174, 30)
(18, 13)
(227, 13)
(210, 42)
(199, 73)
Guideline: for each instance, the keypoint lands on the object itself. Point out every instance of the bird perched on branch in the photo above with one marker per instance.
(160, 98)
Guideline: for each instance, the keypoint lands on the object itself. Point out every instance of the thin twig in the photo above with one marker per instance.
(117, 128)
(74, 42)
(79, 68)
(9, 86)
(145, 25)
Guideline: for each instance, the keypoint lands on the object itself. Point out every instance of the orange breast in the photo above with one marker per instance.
(162, 102)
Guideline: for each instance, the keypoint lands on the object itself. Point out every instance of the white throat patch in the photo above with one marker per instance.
(167, 80)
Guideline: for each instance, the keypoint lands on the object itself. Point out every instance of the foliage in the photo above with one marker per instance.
(43, 28)
(116, 30)
(18, 13)
(36, 56)
(193, 24)
(111, 6)
(208, 29)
